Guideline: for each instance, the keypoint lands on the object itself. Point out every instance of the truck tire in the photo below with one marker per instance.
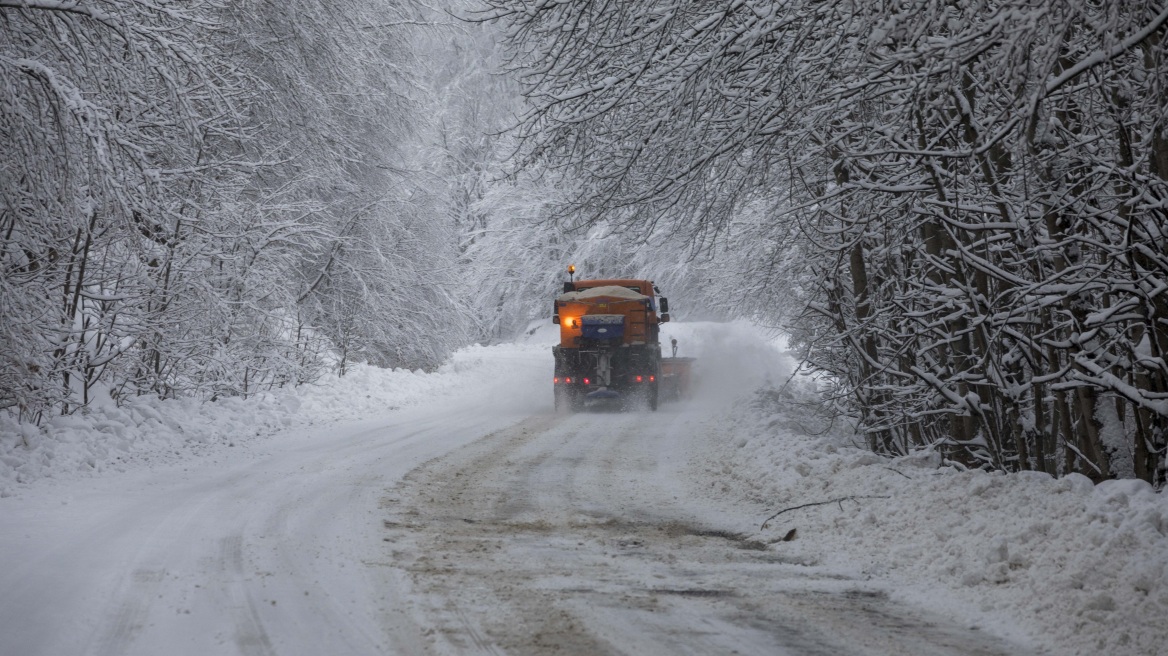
(653, 392)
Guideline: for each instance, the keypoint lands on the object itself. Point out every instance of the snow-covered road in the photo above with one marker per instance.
(591, 535)
(464, 516)
(580, 534)
(273, 553)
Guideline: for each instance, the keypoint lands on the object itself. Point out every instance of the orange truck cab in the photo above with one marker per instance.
(609, 349)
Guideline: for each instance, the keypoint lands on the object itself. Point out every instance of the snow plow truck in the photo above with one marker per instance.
(609, 350)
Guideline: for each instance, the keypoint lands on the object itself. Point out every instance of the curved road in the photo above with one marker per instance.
(442, 530)
(262, 553)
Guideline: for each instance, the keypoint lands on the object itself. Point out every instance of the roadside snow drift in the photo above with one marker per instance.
(147, 430)
(1065, 565)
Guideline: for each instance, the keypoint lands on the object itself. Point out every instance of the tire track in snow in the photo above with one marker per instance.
(583, 535)
(130, 617)
(265, 550)
(250, 636)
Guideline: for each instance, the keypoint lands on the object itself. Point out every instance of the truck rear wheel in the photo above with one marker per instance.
(653, 396)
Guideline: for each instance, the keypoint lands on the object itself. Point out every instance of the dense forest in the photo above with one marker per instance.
(956, 209)
(216, 198)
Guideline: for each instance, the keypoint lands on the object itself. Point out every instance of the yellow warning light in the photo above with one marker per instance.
(571, 268)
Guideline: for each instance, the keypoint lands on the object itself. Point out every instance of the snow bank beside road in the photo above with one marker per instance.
(1070, 567)
(147, 430)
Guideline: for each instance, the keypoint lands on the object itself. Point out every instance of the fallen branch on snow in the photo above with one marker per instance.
(840, 501)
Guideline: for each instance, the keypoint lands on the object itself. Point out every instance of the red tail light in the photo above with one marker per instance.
(568, 380)
(640, 378)
(652, 379)
(587, 381)
(556, 380)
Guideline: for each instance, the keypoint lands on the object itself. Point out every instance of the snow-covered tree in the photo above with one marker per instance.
(217, 198)
(107, 112)
(967, 198)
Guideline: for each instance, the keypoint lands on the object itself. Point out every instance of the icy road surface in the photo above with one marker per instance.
(473, 523)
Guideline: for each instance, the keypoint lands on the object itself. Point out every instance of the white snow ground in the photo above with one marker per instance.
(259, 526)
